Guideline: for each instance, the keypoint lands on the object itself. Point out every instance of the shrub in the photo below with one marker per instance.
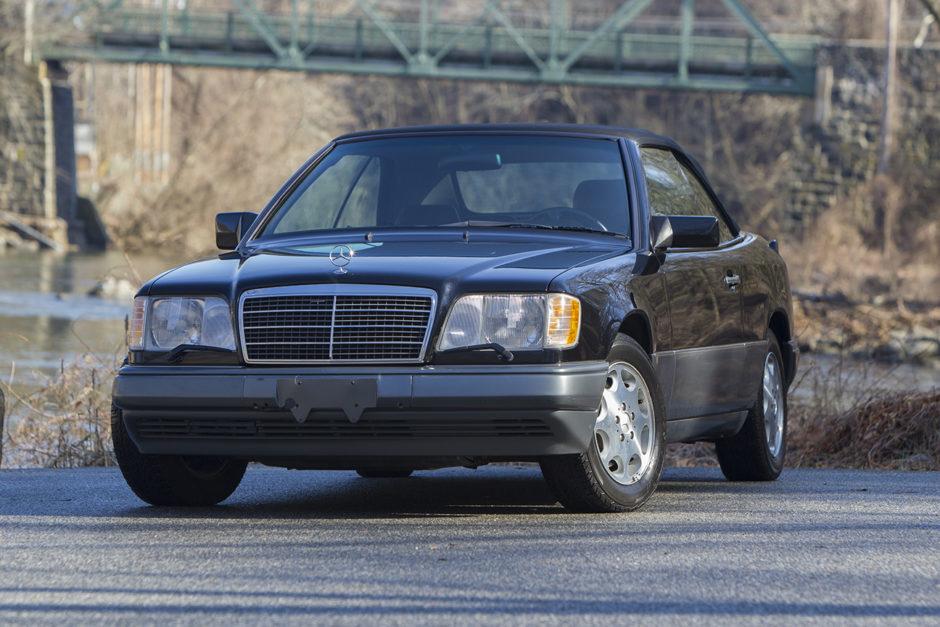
(66, 423)
(895, 430)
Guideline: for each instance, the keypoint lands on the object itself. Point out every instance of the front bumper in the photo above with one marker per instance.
(507, 411)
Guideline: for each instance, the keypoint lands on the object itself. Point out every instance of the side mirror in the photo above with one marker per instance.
(231, 226)
(660, 232)
(687, 232)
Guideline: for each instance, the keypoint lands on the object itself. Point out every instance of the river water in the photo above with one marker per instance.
(48, 316)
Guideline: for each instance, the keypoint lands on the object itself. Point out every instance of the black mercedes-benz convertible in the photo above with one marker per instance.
(415, 298)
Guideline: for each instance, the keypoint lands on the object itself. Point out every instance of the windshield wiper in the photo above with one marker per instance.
(504, 352)
(493, 223)
(176, 355)
(528, 225)
(583, 229)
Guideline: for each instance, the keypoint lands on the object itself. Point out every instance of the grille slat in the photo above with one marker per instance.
(335, 327)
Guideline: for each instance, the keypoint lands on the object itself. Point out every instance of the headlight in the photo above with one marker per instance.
(161, 324)
(515, 321)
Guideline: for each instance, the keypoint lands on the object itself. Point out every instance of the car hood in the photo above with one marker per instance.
(448, 263)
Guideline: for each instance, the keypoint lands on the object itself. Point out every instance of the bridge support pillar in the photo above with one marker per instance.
(39, 203)
(60, 192)
(153, 95)
(823, 104)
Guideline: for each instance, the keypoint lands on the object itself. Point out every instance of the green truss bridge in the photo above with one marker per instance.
(553, 41)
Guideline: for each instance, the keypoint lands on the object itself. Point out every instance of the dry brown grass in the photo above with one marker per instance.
(891, 431)
(854, 415)
(66, 423)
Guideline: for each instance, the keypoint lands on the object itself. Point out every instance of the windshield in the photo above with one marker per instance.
(519, 181)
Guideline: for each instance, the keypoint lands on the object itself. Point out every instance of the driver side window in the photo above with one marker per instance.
(669, 191)
(705, 205)
(675, 191)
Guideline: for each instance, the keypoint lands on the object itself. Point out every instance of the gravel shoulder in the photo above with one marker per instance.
(470, 545)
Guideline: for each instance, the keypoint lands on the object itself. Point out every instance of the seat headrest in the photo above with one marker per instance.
(595, 192)
(605, 199)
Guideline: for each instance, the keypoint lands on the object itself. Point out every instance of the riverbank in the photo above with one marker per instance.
(889, 330)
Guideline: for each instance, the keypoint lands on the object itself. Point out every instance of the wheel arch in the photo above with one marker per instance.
(637, 326)
(779, 325)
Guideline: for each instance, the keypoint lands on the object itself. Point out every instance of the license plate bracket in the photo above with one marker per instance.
(301, 396)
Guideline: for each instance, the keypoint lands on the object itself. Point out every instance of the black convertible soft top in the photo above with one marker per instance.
(637, 135)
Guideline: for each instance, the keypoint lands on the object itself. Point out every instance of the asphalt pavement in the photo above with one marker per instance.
(470, 546)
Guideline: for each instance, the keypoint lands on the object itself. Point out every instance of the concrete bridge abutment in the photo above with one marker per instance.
(39, 202)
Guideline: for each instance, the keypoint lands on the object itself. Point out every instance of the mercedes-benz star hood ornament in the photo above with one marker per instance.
(340, 257)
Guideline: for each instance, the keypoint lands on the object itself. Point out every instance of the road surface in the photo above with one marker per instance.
(470, 546)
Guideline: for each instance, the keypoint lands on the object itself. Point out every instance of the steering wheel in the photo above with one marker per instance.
(577, 217)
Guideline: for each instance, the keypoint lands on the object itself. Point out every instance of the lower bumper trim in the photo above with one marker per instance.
(462, 411)
(384, 434)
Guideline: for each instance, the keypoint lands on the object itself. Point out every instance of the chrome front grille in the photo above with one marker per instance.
(330, 323)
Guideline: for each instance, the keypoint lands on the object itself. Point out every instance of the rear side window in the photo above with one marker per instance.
(674, 190)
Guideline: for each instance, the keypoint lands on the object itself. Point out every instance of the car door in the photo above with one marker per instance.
(702, 288)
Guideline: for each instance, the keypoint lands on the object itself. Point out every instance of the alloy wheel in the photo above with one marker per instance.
(625, 430)
(773, 405)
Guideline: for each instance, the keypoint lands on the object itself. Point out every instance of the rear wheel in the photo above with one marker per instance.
(173, 479)
(621, 467)
(756, 453)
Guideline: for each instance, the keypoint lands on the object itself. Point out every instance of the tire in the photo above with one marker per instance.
(384, 473)
(757, 452)
(621, 467)
(173, 479)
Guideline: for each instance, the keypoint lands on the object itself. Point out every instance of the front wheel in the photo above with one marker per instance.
(756, 453)
(621, 467)
(173, 479)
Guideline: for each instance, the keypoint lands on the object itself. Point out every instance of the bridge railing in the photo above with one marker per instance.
(489, 46)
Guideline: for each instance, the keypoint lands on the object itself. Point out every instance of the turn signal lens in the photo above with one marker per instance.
(564, 321)
(135, 331)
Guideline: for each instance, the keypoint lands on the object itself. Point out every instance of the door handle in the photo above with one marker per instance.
(732, 281)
